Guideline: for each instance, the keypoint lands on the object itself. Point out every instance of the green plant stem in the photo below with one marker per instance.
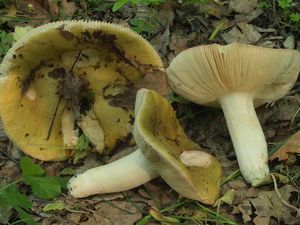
(219, 217)
(12, 183)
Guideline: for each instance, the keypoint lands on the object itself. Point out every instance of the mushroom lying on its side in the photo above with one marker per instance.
(237, 77)
(169, 151)
(177, 159)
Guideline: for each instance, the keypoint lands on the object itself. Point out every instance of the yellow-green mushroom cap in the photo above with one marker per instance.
(109, 60)
(164, 143)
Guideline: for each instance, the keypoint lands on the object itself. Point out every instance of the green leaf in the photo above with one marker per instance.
(21, 31)
(14, 198)
(29, 168)
(83, 143)
(6, 40)
(44, 187)
(295, 17)
(25, 217)
(82, 148)
(63, 182)
(68, 171)
(54, 206)
(285, 4)
(11, 197)
(5, 211)
(144, 220)
(119, 4)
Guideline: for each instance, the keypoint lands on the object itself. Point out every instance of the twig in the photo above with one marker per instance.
(77, 57)
(275, 14)
(294, 117)
(281, 199)
(53, 118)
(60, 97)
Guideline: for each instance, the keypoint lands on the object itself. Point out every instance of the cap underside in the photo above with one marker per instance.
(98, 52)
(162, 140)
(204, 73)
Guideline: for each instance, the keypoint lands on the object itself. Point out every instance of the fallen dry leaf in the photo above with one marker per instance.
(164, 18)
(215, 8)
(114, 212)
(247, 18)
(242, 6)
(286, 109)
(289, 42)
(36, 9)
(177, 42)
(10, 12)
(243, 33)
(3, 136)
(291, 146)
(267, 205)
(66, 8)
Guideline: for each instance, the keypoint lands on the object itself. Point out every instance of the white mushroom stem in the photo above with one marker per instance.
(247, 136)
(121, 175)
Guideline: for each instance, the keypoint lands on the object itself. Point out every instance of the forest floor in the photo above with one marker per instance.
(171, 27)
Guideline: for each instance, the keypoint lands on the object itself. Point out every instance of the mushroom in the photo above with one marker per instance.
(160, 137)
(65, 63)
(237, 77)
(170, 152)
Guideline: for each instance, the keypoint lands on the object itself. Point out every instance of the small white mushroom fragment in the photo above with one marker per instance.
(70, 136)
(196, 158)
(91, 127)
(31, 93)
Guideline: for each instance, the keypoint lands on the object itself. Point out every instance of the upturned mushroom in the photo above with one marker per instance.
(168, 152)
(190, 171)
(238, 78)
(67, 75)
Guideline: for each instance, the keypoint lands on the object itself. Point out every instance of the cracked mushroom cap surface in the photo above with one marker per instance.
(202, 74)
(109, 58)
(180, 162)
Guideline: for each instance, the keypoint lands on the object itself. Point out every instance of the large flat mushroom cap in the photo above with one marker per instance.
(202, 74)
(163, 141)
(110, 59)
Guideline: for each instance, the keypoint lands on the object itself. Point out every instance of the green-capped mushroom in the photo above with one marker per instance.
(168, 152)
(179, 161)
